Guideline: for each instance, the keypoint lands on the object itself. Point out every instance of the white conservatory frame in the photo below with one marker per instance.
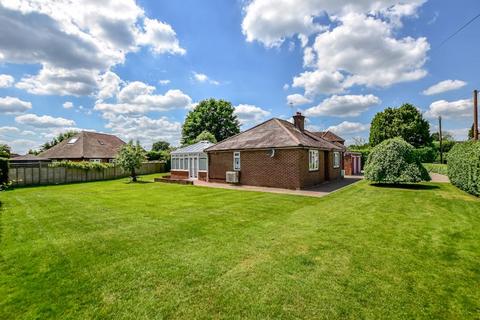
(191, 159)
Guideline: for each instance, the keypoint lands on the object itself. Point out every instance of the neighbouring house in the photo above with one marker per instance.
(28, 158)
(190, 162)
(85, 146)
(277, 153)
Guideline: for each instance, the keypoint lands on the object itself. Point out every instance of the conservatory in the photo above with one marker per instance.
(190, 162)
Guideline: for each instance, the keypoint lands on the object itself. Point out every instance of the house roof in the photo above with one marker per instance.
(329, 135)
(273, 133)
(193, 148)
(28, 157)
(88, 145)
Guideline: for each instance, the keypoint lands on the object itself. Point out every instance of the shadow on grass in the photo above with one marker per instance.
(138, 182)
(405, 186)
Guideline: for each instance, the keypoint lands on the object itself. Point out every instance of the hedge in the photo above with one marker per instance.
(464, 166)
(3, 173)
(83, 165)
(425, 154)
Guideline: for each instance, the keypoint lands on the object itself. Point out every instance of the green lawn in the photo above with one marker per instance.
(150, 250)
(436, 168)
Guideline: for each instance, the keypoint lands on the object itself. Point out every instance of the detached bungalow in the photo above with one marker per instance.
(277, 153)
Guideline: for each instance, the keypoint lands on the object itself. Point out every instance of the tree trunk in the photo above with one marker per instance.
(134, 175)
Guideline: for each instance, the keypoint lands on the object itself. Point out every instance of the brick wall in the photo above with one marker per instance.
(287, 169)
(177, 174)
(334, 173)
(202, 175)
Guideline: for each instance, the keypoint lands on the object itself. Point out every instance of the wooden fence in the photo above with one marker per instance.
(41, 174)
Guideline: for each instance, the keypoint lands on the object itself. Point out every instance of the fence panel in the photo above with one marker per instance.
(42, 174)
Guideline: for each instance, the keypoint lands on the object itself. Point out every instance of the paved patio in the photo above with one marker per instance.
(439, 178)
(317, 191)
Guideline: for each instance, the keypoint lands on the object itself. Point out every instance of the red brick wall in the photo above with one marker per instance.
(334, 173)
(287, 169)
(347, 164)
(202, 175)
(179, 174)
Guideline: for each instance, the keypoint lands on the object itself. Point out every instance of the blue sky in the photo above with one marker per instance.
(135, 68)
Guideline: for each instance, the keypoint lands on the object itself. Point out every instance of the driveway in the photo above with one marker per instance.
(317, 191)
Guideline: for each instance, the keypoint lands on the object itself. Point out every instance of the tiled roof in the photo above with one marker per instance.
(28, 157)
(273, 133)
(88, 145)
(193, 148)
(330, 136)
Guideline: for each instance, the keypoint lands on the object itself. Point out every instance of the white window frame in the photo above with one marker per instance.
(96, 160)
(236, 155)
(313, 160)
(336, 159)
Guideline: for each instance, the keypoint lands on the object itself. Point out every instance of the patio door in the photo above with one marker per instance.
(193, 167)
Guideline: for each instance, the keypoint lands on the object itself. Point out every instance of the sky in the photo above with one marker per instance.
(136, 68)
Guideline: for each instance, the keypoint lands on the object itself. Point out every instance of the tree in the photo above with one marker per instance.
(470, 133)
(446, 136)
(130, 157)
(5, 151)
(205, 136)
(160, 145)
(406, 122)
(394, 161)
(59, 138)
(214, 116)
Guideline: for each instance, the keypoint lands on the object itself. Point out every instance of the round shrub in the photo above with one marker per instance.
(464, 166)
(394, 161)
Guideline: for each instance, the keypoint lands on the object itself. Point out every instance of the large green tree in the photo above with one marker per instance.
(406, 122)
(160, 145)
(214, 116)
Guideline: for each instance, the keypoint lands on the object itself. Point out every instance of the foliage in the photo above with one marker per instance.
(130, 157)
(426, 154)
(464, 166)
(215, 116)
(470, 133)
(205, 136)
(62, 136)
(436, 168)
(3, 173)
(394, 161)
(5, 151)
(406, 122)
(110, 250)
(83, 165)
(446, 136)
(34, 152)
(161, 146)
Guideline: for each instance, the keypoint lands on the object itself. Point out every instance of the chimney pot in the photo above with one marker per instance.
(299, 121)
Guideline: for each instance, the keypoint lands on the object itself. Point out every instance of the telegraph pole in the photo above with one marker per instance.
(440, 137)
(475, 115)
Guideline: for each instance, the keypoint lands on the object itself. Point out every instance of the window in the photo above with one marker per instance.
(236, 161)
(96, 160)
(336, 159)
(111, 160)
(313, 160)
(202, 163)
(73, 140)
(174, 162)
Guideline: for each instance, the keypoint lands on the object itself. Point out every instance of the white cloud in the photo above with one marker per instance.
(20, 146)
(67, 105)
(349, 128)
(450, 109)
(286, 86)
(12, 105)
(273, 21)
(8, 130)
(46, 121)
(343, 106)
(203, 78)
(460, 133)
(250, 114)
(6, 80)
(297, 99)
(139, 98)
(319, 82)
(444, 86)
(63, 82)
(164, 82)
(75, 41)
(309, 57)
(109, 85)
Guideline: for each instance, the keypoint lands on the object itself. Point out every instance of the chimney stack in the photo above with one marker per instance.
(299, 121)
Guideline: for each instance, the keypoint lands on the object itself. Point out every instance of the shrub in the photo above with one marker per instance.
(3, 173)
(394, 161)
(425, 154)
(464, 166)
(83, 165)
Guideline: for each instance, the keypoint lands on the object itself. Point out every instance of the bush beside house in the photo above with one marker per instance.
(464, 167)
(394, 161)
(3, 173)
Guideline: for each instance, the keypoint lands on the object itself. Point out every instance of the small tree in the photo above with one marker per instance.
(394, 161)
(62, 136)
(130, 158)
(160, 145)
(205, 136)
(4, 151)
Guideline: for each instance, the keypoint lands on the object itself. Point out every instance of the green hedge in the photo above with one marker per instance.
(464, 166)
(425, 154)
(83, 165)
(3, 173)
(436, 168)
